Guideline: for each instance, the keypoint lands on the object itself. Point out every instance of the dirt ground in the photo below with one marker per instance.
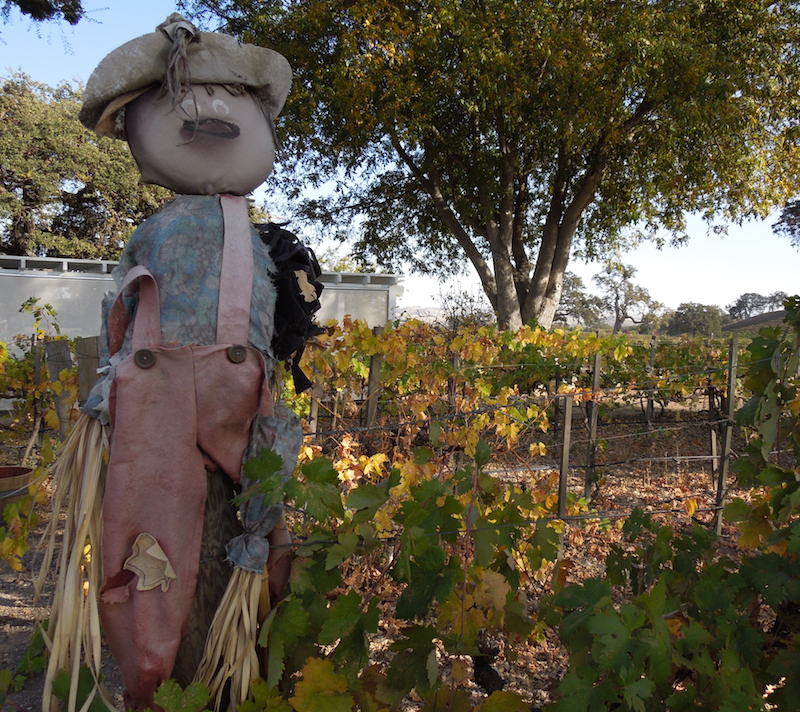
(659, 480)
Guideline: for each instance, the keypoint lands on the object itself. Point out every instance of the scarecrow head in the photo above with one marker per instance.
(197, 108)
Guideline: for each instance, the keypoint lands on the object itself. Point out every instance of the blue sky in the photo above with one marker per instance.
(710, 269)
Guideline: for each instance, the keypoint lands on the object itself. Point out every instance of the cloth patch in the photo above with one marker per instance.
(307, 289)
(150, 564)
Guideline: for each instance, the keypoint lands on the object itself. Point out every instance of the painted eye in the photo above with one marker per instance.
(188, 106)
(220, 107)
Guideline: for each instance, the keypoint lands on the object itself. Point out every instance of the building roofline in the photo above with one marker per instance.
(17, 263)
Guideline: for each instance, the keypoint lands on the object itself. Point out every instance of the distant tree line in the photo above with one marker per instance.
(622, 303)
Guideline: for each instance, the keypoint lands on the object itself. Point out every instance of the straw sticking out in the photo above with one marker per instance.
(73, 634)
(230, 650)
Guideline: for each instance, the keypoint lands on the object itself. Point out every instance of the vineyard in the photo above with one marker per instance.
(489, 521)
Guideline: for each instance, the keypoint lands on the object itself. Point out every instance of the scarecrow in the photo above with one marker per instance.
(206, 304)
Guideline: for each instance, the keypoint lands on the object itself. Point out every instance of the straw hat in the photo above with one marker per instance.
(175, 55)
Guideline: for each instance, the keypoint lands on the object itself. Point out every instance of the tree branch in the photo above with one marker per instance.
(448, 216)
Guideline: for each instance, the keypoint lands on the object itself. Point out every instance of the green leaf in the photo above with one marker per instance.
(264, 699)
(746, 415)
(342, 618)
(6, 677)
(632, 616)
(321, 689)
(320, 471)
(411, 667)
(352, 653)
(429, 580)
(276, 655)
(290, 622)
(574, 694)
(86, 685)
(343, 549)
(737, 510)
(500, 701)
(323, 501)
(285, 625)
(34, 658)
(485, 538)
(636, 692)
(171, 698)
(263, 466)
(452, 700)
(483, 453)
(422, 455)
(367, 498)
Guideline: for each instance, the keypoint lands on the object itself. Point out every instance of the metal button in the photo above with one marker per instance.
(144, 358)
(236, 353)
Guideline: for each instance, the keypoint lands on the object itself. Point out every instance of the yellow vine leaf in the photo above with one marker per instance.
(674, 625)
(501, 701)
(51, 419)
(691, 506)
(321, 689)
(491, 590)
(464, 620)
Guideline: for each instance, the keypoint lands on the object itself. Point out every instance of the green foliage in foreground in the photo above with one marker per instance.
(695, 629)
(675, 625)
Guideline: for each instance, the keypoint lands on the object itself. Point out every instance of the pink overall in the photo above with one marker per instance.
(160, 449)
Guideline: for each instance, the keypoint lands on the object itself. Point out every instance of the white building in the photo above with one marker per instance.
(75, 288)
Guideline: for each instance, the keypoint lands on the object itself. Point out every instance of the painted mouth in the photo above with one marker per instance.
(212, 127)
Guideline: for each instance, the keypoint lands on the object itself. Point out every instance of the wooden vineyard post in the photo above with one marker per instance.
(594, 407)
(714, 455)
(58, 358)
(728, 437)
(452, 383)
(651, 363)
(313, 409)
(556, 404)
(374, 383)
(564, 471)
(87, 351)
(37, 355)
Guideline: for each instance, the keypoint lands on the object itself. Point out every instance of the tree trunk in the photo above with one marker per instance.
(509, 315)
(547, 312)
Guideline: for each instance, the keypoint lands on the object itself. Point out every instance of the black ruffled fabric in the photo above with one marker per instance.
(298, 286)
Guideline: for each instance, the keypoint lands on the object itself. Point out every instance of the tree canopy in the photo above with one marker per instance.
(64, 192)
(70, 11)
(751, 303)
(577, 306)
(788, 224)
(515, 133)
(621, 297)
(696, 319)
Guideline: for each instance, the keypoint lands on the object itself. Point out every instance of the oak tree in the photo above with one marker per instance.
(515, 133)
(577, 306)
(751, 303)
(621, 298)
(70, 11)
(788, 224)
(64, 192)
(696, 320)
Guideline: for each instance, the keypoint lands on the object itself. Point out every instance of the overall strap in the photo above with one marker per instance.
(236, 282)
(147, 325)
(236, 273)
